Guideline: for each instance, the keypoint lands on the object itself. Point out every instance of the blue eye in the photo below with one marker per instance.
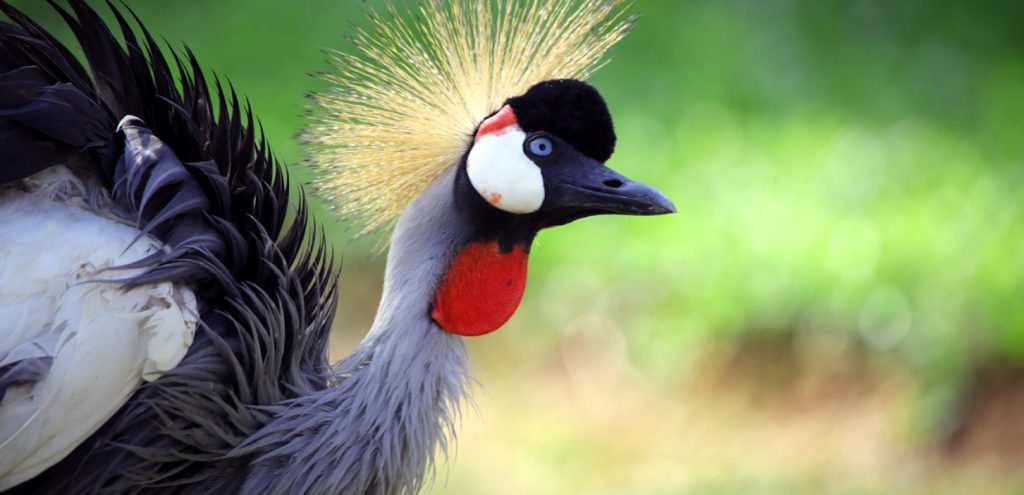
(540, 146)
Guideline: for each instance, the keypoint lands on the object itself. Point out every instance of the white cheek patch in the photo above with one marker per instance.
(500, 171)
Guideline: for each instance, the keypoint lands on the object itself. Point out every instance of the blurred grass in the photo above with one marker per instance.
(846, 172)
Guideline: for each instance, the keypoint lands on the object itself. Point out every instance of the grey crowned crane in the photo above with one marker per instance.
(163, 327)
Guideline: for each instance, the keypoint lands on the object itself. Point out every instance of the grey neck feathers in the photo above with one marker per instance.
(395, 401)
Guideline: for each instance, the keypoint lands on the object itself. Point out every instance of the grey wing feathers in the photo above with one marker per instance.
(23, 371)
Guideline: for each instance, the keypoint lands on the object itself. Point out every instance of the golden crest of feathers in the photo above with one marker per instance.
(403, 107)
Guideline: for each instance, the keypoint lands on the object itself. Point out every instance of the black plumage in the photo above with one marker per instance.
(570, 109)
(193, 171)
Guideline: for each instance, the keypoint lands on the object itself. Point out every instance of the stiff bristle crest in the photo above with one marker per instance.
(403, 106)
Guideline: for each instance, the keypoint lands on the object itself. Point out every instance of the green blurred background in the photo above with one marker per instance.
(836, 308)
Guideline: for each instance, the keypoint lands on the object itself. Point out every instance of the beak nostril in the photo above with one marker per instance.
(613, 183)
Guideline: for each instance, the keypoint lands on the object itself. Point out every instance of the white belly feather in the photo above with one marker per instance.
(55, 253)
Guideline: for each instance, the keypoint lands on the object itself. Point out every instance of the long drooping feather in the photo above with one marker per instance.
(403, 107)
(193, 172)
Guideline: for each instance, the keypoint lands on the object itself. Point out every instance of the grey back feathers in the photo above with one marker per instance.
(254, 407)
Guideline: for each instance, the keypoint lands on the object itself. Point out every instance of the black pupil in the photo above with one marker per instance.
(541, 147)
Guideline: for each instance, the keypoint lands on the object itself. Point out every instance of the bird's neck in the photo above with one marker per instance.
(393, 403)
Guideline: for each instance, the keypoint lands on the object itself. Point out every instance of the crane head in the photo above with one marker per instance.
(543, 154)
(537, 162)
(426, 100)
(403, 102)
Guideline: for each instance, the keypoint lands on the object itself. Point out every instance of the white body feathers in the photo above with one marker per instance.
(56, 257)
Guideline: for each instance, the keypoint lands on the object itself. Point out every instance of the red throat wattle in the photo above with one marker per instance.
(482, 289)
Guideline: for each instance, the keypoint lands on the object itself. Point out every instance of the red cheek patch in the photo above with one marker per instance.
(497, 123)
(481, 290)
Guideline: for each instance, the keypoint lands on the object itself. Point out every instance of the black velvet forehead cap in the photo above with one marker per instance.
(570, 109)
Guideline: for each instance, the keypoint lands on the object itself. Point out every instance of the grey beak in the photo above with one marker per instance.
(588, 187)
